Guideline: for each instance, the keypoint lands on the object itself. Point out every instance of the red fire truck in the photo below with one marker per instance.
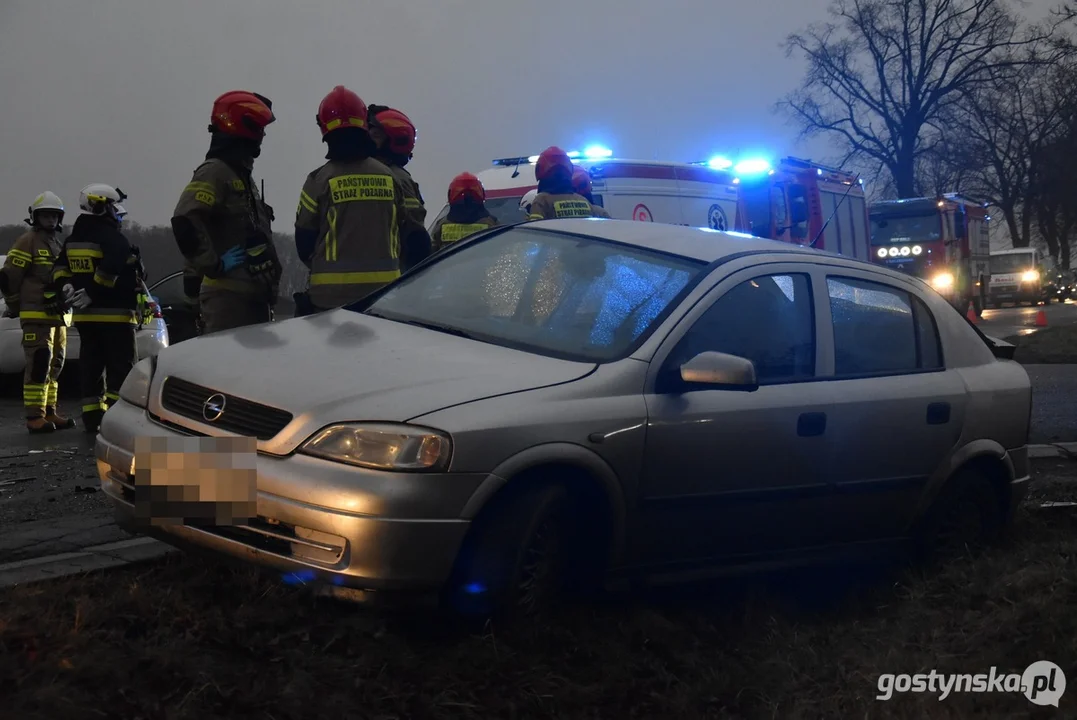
(802, 202)
(942, 240)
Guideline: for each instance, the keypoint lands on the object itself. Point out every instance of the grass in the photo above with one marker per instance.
(183, 639)
(1049, 345)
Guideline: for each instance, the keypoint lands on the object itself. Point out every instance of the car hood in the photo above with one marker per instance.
(340, 365)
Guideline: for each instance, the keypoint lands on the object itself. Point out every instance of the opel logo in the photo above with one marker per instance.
(213, 407)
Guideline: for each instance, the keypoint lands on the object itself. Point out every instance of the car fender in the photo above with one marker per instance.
(561, 453)
(965, 454)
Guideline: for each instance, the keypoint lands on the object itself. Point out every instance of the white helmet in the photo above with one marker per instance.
(100, 199)
(47, 200)
(526, 200)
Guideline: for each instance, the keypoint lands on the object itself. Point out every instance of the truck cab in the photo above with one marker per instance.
(1019, 276)
(942, 240)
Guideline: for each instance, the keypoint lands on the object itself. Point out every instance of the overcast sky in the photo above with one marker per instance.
(119, 91)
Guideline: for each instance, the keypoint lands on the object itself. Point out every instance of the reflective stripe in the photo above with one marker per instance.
(307, 202)
(412, 203)
(534, 216)
(60, 272)
(92, 253)
(19, 262)
(451, 232)
(354, 278)
(204, 192)
(111, 315)
(394, 236)
(103, 278)
(331, 236)
(33, 396)
(256, 250)
(16, 253)
(89, 406)
(38, 315)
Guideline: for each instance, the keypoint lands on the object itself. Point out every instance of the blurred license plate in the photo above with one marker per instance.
(198, 481)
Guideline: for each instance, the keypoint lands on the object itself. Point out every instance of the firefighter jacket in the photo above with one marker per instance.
(560, 205)
(354, 212)
(600, 212)
(459, 223)
(26, 278)
(98, 258)
(219, 209)
(413, 199)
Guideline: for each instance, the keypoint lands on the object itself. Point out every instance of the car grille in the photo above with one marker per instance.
(240, 416)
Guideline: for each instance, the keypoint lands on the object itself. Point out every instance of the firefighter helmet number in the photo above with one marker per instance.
(642, 213)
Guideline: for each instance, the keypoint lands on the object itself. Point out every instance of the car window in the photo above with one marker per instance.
(879, 329)
(768, 320)
(169, 291)
(549, 293)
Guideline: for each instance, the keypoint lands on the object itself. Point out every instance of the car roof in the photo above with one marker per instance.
(696, 243)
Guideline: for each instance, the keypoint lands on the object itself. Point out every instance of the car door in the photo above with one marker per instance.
(897, 411)
(729, 472)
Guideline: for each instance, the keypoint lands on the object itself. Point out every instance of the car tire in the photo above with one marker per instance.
(514, 563)
(966, 517)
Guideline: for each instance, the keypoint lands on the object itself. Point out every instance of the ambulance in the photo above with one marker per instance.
(643, 190)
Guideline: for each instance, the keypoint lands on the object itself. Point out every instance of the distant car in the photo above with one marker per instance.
(151, 338)
(578, 399)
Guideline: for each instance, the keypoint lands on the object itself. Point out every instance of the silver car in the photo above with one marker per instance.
(569, 400)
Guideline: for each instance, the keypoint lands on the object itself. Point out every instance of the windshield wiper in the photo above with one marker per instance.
(448, 330)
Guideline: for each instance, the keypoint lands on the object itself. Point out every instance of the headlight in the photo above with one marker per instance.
(916, 249)
(882, 252)
(136, 388)
(382, 446)
(894, 252)
(905, 251)
(1030, 276)
(943, 281)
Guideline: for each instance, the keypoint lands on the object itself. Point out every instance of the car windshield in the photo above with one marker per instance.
(1011, 262)
(566, 296)
(918, 228)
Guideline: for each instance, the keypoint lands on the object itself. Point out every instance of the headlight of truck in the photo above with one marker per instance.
(943, 281)
(382, 446)
(1030, 276)
(136, 388)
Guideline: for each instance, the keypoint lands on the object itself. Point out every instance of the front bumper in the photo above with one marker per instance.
(318, 521)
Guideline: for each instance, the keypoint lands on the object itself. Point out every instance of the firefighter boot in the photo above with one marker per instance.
(39, 425)
(91, 421)
(61, 422)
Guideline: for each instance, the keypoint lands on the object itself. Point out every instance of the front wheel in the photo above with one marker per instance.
(514, 563)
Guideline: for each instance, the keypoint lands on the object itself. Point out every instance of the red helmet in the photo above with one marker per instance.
(398, 129)
(341, 108)
(465, 185)
(241, 114)
(581, 181)
(552, 158)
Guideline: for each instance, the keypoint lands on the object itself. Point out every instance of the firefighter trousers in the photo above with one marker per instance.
(45, 347)
(227, 310)
(107, 354)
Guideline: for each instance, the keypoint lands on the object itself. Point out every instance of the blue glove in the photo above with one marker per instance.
(232, 259)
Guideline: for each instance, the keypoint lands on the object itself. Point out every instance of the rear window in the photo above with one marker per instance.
(506, 210)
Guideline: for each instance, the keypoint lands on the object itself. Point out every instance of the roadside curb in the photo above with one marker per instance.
(1066, 451)
(97, 557)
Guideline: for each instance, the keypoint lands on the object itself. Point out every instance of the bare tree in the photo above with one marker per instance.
(883, 75)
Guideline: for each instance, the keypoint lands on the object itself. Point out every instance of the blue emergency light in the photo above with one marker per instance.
(719, 163)
(752, 166)
(595, 152)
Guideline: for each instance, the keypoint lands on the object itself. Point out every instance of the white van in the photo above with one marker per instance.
(642, 190)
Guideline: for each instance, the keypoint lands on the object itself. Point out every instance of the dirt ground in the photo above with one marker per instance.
(180, 638)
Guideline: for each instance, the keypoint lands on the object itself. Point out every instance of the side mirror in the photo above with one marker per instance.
(715, 368)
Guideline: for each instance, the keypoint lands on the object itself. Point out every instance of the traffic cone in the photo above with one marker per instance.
(971, 315)
(1041, 319)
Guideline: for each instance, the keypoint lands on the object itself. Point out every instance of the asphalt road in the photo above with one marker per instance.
(1009, 321)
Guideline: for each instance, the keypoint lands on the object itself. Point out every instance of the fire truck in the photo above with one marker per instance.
(805, 203)
(941, 240)
(795, 201)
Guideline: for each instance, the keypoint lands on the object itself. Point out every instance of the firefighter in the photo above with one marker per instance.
(97, 272)
(394, 135)
(556, 197)
(467, 212)
(26, 284)
(581, 183)
(221, 224)
(526, 201)
(351, 227)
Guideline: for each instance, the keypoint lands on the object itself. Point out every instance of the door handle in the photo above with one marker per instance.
(938, 413)
(811, 424)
